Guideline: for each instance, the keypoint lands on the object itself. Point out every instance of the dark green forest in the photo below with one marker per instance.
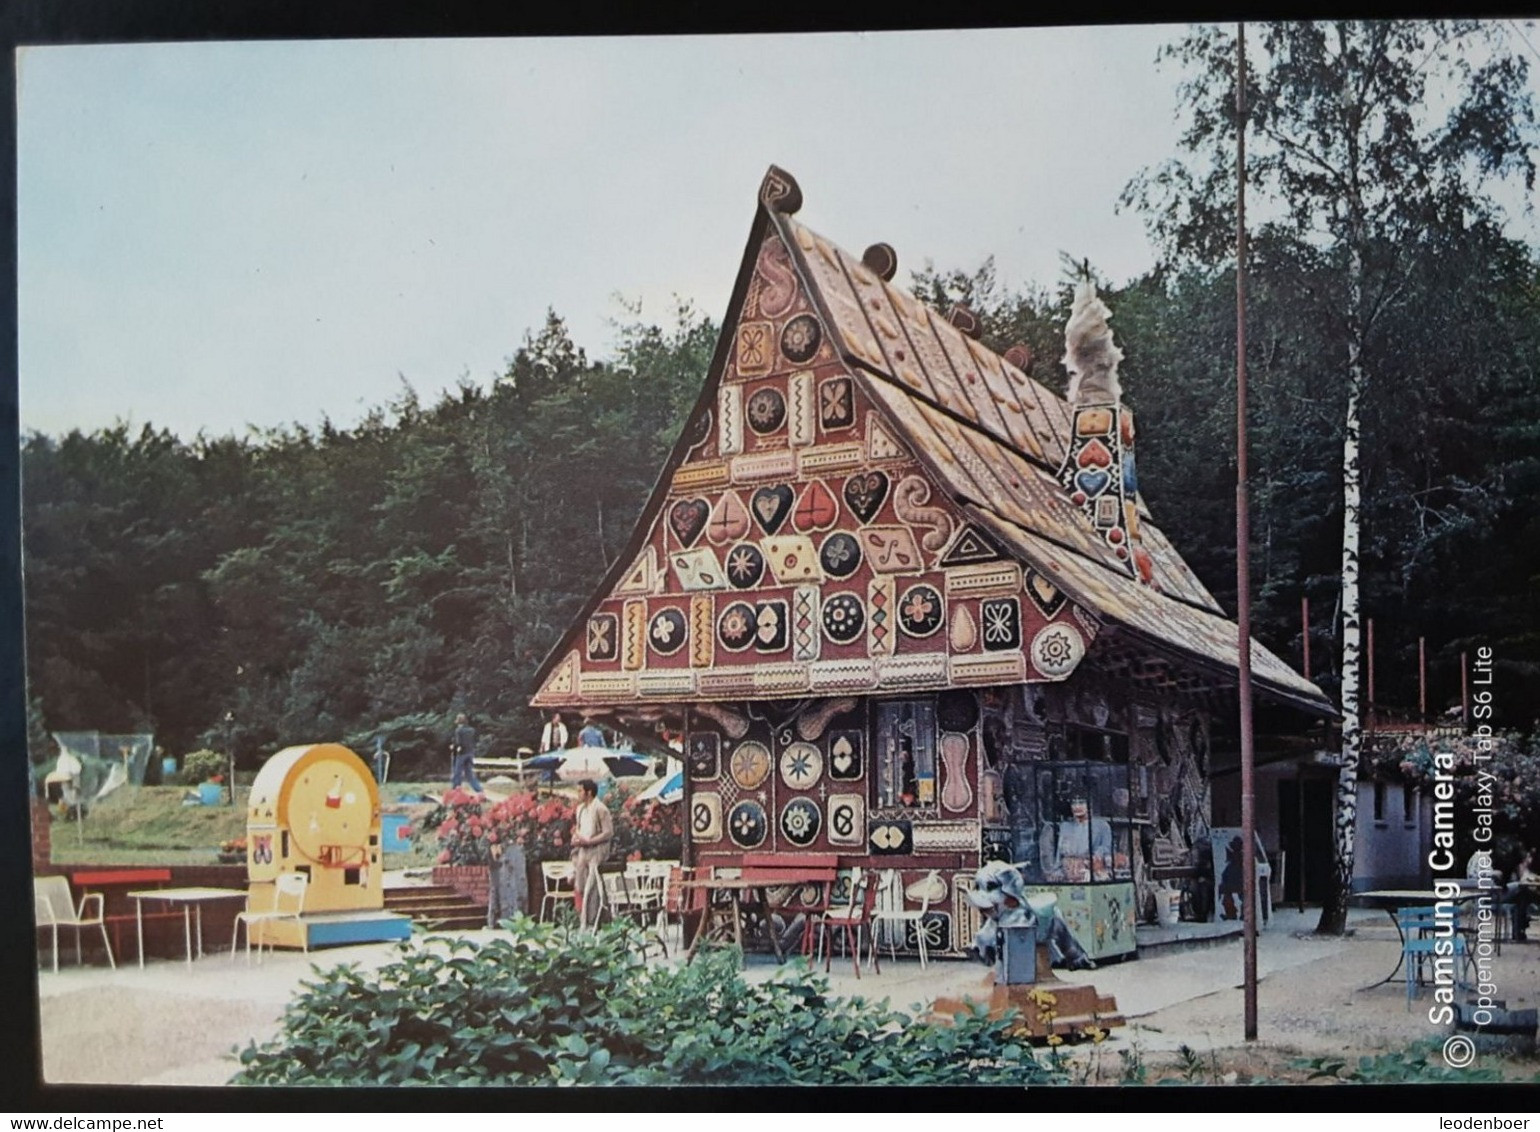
(338, 584)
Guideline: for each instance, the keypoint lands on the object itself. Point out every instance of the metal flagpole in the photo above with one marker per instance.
(1243, 553)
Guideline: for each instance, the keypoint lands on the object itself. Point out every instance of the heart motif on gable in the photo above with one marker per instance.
(771, 506)
(817, 509)
(865, 492)
(729, 519)
(1092, 481)
(842, 755)
(688, 518)
(1094, 455)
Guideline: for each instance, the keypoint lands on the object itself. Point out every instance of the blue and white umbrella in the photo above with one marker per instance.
(666, 790)
(577, 763)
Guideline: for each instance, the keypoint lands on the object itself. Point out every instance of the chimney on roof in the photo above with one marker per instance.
(1099, 471)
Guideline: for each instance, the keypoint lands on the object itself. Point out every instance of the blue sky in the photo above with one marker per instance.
(219, 235)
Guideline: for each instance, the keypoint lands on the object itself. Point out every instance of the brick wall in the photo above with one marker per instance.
(470, 881)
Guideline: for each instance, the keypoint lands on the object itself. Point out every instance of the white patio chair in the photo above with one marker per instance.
(288, 904)
(52, 909)
(557, 883)
(899, 919)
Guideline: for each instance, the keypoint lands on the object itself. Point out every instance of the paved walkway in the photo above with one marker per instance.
(169, 1024)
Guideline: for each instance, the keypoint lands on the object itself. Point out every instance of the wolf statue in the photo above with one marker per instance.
(1000, 893)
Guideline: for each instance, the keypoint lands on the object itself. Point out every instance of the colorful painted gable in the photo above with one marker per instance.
(868, 500)
(803, 548)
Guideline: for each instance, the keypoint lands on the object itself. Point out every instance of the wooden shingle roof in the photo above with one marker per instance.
(997, 437)
(990, 439)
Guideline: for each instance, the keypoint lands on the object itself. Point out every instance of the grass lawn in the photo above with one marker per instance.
(149, 825)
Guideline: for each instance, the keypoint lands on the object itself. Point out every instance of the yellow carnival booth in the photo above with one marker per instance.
(315, 811)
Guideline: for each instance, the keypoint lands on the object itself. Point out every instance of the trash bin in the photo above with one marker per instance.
(211, 793)
(392, 839)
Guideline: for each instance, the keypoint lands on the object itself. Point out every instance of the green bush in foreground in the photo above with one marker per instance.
(552, 1006)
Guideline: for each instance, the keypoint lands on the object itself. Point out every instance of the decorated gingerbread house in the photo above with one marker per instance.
(908, 607)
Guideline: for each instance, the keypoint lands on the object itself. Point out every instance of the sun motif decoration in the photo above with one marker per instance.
(766, 410)
(799, 340)
(736, 628)
(801, 821)
(745, 566)
(1057, 649)
(750, 765)
(801, 766)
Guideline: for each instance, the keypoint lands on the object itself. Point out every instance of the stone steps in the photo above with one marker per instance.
(436, 906)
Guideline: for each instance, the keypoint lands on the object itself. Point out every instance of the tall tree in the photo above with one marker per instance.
(1370, 141)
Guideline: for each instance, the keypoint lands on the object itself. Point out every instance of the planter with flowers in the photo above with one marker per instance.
(233, 852)
(469, 827)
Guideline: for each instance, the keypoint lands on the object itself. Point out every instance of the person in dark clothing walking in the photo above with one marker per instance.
(463, 747)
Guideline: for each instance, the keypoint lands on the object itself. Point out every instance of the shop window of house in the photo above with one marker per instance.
(904, 743)
(1070, 820)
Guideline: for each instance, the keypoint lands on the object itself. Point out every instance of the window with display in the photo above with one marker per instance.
(904, 746)
(1070, 823)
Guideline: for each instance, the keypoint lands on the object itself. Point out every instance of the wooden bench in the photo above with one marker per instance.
(88, 880)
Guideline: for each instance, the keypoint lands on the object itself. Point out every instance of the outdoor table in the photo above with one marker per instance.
(189, 899)
(1393, 900)
(740, 891)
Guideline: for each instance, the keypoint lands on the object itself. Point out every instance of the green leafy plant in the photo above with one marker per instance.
(1418, 1064)
(202, 766)
(1134, 1071)
(546, 1005)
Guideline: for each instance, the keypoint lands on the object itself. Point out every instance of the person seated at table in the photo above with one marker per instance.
(1079, 849)
(1523, 892)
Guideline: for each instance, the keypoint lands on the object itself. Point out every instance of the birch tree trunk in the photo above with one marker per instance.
(1334, 909)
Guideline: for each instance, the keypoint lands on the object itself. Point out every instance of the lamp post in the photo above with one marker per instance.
(1243, 560)
(230, 752)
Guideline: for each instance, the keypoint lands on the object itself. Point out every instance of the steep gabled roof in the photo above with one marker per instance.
(993, 442)
(997, 438)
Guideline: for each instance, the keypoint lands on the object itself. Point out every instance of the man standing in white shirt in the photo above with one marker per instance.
(592, 831)
(554, 736)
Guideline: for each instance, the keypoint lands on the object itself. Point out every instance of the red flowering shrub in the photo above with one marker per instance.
(649, 830)
(468, 827)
